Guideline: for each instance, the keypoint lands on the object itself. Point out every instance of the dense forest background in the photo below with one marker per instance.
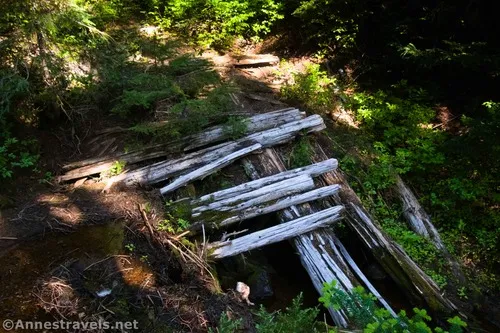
(420, 79)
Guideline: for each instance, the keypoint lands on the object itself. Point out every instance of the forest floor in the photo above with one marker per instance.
(64, 244)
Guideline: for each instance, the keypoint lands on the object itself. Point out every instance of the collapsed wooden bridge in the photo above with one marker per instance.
(307, 201)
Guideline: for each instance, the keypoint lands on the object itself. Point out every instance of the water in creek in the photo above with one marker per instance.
(24, 265)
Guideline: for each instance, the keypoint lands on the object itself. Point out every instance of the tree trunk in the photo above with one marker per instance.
(420, 222)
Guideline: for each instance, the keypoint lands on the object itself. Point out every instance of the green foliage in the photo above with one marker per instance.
(16, 154)
(217, 22)
(116, 168)
(176, 218)
(403, 137)
(293, 319)
(235, 127)
(313, 88)
(301, 154)
(360, 307)
(227, 325)
(329, 24)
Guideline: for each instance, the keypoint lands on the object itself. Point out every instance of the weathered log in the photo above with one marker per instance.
(275, 234)
(253, 124)
(417, 285)
(321, 256)
(313, 170)
(209, 136)
(420, 222)
(259, 196)
(361, 276)
(163, 170)
(257, 60)
(418, 219)
(257, 210)
(323, 264)
(209, 168)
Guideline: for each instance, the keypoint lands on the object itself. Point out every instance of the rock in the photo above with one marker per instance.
(260, 283)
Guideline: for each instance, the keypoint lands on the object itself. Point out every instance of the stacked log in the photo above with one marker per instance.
(210, 136)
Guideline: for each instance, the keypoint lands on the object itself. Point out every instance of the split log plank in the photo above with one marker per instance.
(259, 196)
(263, 209)
(255, 211)
(313, 170)
(209, 136)
(257, 123)
(274, 206)
(323, 264)
(209, 169)
(275, 234)
(163, 170)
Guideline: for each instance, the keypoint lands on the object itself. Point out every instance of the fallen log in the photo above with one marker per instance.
(417, 286)
(420, 222)
(253, 124)
(259, 196)
(313, 170)
(274, 206)
(209, 168)
(319, 254)
(275, 234)
(211, 135)
(257, 60)
(163, 170)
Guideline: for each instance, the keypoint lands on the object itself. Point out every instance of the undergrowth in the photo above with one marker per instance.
(397, 135)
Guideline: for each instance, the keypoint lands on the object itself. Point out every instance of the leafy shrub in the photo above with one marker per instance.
(293, 319)
(329, 25)
(314, 89)
(226, 325)
(301, 154)
(218, 22)
(360, 307)
(16, 154)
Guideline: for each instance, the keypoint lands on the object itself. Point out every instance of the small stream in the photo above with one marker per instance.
(25, 264)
